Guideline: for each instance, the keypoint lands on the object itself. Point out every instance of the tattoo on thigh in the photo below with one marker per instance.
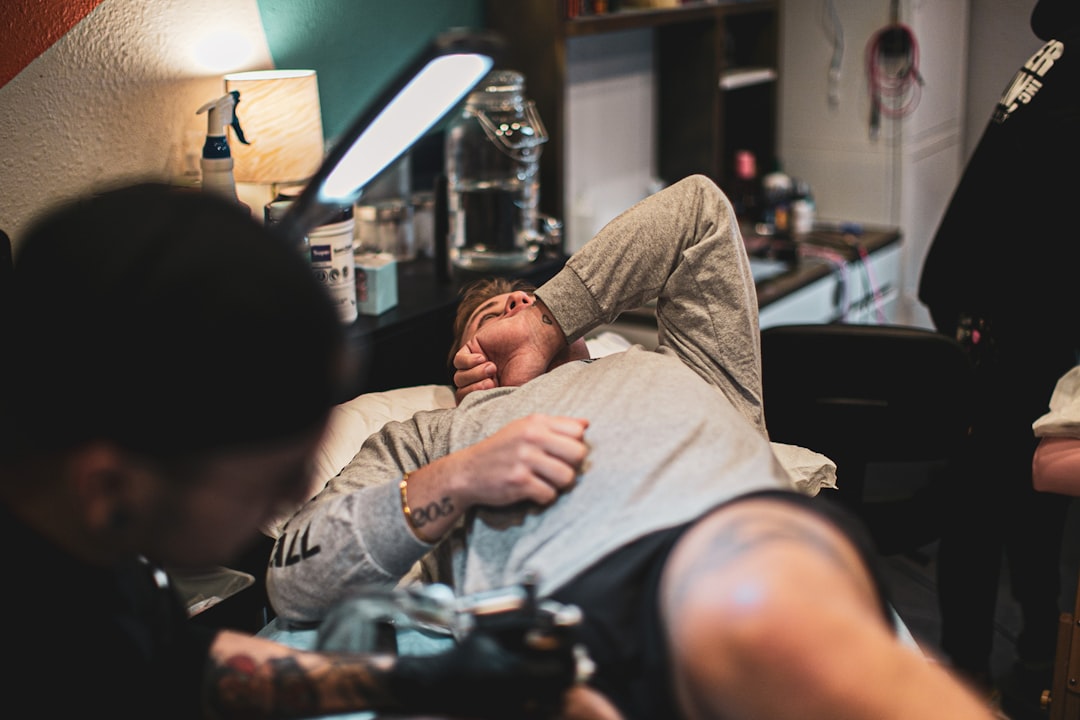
(741, 537)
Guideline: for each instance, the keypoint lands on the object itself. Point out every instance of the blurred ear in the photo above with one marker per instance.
(104, 481)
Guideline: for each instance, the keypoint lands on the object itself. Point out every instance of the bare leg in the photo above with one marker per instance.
(584, 703)
(770, 613)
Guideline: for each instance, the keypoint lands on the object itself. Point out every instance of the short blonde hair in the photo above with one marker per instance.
(473, 296)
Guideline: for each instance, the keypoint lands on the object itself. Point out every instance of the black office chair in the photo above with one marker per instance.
(881, 401)
(6, 262)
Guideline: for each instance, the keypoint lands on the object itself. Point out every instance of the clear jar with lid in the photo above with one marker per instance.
(493, 164)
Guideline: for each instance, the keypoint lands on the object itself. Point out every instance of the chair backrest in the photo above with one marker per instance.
(863, 394)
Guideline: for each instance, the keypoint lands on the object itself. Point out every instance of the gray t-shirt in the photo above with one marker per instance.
(673, 432)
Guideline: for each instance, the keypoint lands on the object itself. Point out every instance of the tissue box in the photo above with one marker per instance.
(376, 283)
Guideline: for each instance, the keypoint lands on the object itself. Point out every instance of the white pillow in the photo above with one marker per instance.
(1063, 418)
(352, 422)
(810, 471)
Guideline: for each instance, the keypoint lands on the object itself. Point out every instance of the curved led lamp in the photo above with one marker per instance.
(416, 99)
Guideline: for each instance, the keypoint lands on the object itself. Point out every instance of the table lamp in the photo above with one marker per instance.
(282, 121)
(421, 95)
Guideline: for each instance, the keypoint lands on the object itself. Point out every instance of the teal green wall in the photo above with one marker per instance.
(356, 46)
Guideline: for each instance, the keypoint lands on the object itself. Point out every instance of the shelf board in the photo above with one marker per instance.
(745, 77)
(633, 19)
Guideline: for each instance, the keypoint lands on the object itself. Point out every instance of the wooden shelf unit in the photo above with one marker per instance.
(699, 124)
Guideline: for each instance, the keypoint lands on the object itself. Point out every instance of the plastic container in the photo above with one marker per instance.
(330, 248)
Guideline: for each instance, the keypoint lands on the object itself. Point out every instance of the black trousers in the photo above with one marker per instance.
(993, 512)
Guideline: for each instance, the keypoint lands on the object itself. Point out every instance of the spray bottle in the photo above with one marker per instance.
(217, 162)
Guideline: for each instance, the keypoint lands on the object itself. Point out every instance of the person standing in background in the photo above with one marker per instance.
(1000, 276)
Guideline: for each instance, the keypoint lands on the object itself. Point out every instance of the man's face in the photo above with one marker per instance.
(497, 309)
(518, 333)
(218, 515)
(507, 329)
(501, 317)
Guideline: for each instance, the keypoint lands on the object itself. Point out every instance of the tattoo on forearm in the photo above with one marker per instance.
(283, 687)
(432, 512)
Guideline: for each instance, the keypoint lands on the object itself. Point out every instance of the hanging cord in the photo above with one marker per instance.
(837, 252)
(840, 264)
(868, 270)
(892, 72)
(834, 30)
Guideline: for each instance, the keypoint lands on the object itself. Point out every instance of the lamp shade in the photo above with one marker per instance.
(280, 115)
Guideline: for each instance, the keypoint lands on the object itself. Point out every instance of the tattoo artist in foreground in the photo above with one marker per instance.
(168, 367)
(710, 587)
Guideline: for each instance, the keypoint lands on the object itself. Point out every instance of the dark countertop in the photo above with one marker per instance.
(807, 268)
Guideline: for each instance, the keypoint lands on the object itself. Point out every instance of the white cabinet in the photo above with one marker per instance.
(856, 292)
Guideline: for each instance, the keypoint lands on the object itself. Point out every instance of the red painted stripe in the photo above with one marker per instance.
(30, 27)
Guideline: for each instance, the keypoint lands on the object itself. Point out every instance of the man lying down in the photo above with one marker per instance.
(646, 494)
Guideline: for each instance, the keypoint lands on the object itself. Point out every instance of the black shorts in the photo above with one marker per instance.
(622, 629)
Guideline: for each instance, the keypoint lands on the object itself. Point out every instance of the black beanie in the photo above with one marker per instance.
(166, 320)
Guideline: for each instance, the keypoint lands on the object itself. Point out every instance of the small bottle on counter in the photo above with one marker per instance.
(803, 210)
(394, 226)
(745, 188)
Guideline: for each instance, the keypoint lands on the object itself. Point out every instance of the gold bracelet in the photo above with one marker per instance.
(404, 486)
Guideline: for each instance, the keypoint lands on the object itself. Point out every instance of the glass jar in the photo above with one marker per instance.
(423, 204)
(394, 228)
(493, 181)
(367, 229)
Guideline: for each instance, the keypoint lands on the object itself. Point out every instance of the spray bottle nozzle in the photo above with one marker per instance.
(222, 112)
(217, 163)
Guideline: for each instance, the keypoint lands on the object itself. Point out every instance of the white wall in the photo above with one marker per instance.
(1001, 41)
(115, 99)
(610, 120)
(902, 175)
(828, 144)
(969, 51)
